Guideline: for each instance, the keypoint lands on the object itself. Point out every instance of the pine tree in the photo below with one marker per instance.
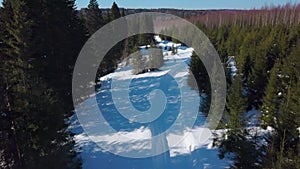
(233, 41)
(173, 50)
(92, 17)
(35, 103)
(123, 12)
(15, 36)
(236, 141)
(156, 59)
(115, 11)
(280, 111)
(271, 101)
(111, 59)
(247, 54)
(221, 39)
(145, 25)
(138, 62)
(198, 71)
(263, 62)
(198, 79)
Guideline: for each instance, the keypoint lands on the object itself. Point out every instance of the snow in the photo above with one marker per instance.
(190, 153)
(231, 64)
(181, 74)
(145, 46)
(192, 141)
(190, 147)
(125, 75)
(181, 54)
(166, 43)
(269, 128)
(157, 38)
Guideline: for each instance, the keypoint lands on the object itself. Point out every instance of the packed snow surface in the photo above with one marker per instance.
(189, 147)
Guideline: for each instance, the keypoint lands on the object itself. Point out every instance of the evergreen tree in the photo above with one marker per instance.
(198, 79)
(247, 54)
(92, 17)
(138, 62)
(198, 71)
(236, 143)
(116, 53)
(35, 103)
(280, 111)
(221, 39)
(58, 43)
(156, 58)
(115, 11)
(14, 20)
(233, 41)
(145, 25)
(123, 12)
(173, 50)
(271, 101)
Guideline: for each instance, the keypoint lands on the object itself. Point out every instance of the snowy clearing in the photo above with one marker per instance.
(189, 147)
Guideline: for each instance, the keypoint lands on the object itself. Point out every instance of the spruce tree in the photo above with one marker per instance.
(198, 79)
(15, 36)
(280, 111)
(115, 11)
(145, 25)
(92, 17)
(138, 62)
(35, 105)
(115, 54)
(236, 143)
(156, 59)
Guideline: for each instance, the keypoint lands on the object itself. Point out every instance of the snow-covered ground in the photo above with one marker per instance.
(189, 148)
(231, 64)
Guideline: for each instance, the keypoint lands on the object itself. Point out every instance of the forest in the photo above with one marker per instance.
(40, 42)
(265, 44)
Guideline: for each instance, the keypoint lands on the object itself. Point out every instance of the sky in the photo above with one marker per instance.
(188, 4)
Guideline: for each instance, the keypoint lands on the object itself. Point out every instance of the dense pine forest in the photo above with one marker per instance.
(39, 45)
(265, 44)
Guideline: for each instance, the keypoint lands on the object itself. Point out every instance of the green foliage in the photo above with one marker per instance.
(92, 17)
(281, 112)
(236, 144)
(117, 52)
(153, 60)
(267, 63)
(156, 58)
(198, 79)
(236, 106)
(138, 62)
(37, 55)
(145, 25)
(174, 50)
(115, 11)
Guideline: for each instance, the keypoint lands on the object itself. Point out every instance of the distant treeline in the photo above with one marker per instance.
(269, 15)
(287, 14)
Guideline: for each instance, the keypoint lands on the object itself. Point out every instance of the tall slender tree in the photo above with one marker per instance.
(280, 111)
(36, 101)
(156, 58)
(235, 142)
(115, 11)
(14, 48)
(92, 17)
